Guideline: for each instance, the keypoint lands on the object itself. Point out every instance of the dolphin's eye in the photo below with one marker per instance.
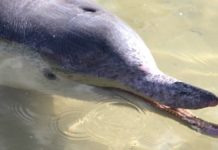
(49, 75)
(89, 9)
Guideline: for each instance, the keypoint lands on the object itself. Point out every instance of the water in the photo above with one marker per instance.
(182, 36)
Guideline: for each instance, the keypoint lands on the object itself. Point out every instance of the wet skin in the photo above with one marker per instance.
(81, 41)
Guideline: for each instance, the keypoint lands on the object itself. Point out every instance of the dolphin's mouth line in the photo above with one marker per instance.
(185, 117)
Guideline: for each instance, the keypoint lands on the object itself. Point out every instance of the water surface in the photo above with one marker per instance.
(182, 36)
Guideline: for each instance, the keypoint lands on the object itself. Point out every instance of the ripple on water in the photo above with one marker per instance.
(21, 105)
(107, 122)
(70, 125)
(22, 112)
(115, 122)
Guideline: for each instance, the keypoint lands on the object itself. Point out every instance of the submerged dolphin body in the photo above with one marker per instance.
(81, 41)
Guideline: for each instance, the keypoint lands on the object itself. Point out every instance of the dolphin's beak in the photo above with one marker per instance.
(169, 91)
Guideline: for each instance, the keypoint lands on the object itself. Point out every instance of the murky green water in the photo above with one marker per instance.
(182, 36)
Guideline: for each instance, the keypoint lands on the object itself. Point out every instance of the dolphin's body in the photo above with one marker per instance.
(79, 40)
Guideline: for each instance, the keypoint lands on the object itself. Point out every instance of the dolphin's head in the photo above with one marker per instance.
(83, 42)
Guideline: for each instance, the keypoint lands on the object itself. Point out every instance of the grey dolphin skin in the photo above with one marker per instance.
(83, 42)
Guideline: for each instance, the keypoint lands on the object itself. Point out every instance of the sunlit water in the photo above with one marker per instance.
(182, 36)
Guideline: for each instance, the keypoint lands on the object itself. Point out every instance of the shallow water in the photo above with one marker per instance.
(182, 36)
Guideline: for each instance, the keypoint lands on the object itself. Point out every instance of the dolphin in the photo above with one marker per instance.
(81, 41)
